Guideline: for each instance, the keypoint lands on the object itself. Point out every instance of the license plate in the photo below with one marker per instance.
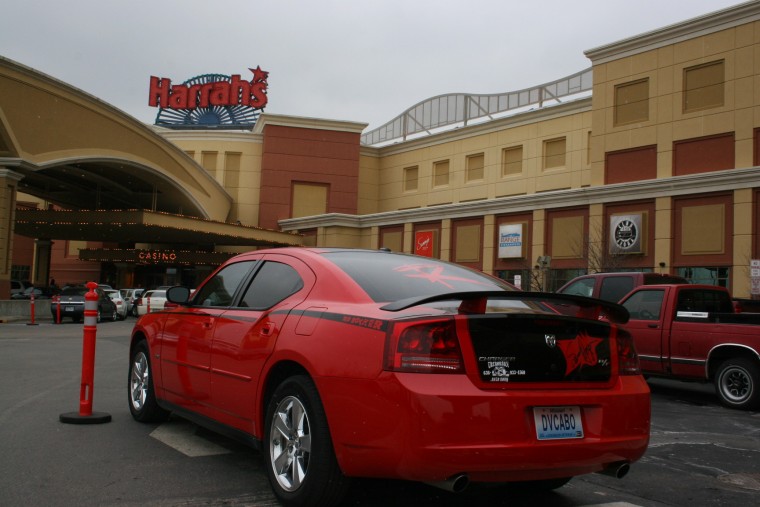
(68, 308)
(558, 423)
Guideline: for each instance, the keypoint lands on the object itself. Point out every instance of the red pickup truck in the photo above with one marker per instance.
(692, 332)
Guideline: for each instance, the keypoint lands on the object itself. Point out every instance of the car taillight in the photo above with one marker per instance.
(628, 359)
(424, 347)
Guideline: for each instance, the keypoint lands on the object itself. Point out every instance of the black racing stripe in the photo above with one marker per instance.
(351, 320)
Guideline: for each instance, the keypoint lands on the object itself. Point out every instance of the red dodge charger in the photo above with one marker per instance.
(340, 363)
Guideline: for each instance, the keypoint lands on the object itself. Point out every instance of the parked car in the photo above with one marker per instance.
(613, 286)
(39, 293)
(345, 363)
(72, 300)
(692, 333)
(130, 296)
(151, 301)
(19, 286)
(121, 305)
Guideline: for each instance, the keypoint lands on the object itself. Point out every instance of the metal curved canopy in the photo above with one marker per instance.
(460, 108)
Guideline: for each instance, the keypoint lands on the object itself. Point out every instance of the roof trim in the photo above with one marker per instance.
(703, 183)
(307, 123)
(696, 27)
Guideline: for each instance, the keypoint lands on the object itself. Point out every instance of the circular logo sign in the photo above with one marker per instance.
(625, 234)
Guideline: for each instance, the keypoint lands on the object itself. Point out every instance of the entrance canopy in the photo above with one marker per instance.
(141, 226)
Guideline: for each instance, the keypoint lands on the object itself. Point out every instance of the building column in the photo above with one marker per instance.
(41, 266)
(8, 185)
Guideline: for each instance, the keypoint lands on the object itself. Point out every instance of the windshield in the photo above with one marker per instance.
(74, 291)
(391, 277)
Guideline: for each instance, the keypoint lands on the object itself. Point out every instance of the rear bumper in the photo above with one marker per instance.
(432, 427)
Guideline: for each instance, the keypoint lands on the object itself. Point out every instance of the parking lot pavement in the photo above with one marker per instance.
(700, 452)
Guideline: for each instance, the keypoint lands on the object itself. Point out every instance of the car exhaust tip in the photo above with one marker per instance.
(617, 470)
(454, 484)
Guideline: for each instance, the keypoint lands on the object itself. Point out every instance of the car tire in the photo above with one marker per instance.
(737, 383)
(142, 396)
(114, 316)
(300, 459)
(99, 318)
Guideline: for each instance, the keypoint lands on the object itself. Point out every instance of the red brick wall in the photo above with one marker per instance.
(303, 155)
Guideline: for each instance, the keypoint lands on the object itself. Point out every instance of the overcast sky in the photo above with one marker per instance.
(336, 59)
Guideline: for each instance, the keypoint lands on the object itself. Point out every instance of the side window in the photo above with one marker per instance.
(220, 289)
(273, 283)
(615, 287)
(583, 287)
(645, 304)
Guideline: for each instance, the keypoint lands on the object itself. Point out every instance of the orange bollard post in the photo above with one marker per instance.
(85, 414)
(31, 310)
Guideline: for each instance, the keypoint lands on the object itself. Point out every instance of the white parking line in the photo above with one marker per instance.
(180, 435)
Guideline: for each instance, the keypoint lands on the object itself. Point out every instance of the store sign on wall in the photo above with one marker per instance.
(626, 234)
(423, 243)
(156, 256)
(511, 241)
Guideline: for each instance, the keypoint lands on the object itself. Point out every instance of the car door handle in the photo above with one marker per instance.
(208, 323)
(652, 326)
(267, 329)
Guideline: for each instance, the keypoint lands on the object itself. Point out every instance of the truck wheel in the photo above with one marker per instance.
(301, 463)
(738, 383)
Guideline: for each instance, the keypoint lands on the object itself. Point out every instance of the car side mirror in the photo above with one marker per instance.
(178, 295)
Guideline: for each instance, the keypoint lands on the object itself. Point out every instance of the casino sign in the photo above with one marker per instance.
(209, 100)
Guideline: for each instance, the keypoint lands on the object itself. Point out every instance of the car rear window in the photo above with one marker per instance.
(74, 291)
(389, 277)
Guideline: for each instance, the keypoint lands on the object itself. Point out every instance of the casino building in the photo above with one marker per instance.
(646, 160)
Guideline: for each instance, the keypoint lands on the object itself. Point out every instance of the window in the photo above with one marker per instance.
(559, 277)
(521, 278)
(645, 304)
(411, 178)
(632, 102)
(20, 272)
(475, 167)
(220, 290)
(441, 173)
(511, 161)
(274, 282)
(554, 153)
(208, 161)
(696, 300)
(707, 275)
(615, 287)
(703, 86)
(309, 199)
(582, 287)
(467, 247)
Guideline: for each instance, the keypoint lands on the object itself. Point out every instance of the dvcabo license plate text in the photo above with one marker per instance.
(556, 423)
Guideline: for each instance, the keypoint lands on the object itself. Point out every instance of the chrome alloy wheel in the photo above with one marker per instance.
(736, 384)
(290, 443)
(139, 381)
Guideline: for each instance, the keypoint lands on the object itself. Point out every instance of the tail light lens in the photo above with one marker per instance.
(628, 359)
(424, 347)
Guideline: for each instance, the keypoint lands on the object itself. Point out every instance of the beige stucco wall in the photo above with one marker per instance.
(738, 46)
(244, 186)
(572, 122)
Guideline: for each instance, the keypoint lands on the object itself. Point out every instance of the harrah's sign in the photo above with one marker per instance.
(234, 92)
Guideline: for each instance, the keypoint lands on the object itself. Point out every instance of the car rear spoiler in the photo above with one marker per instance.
(588, 308)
